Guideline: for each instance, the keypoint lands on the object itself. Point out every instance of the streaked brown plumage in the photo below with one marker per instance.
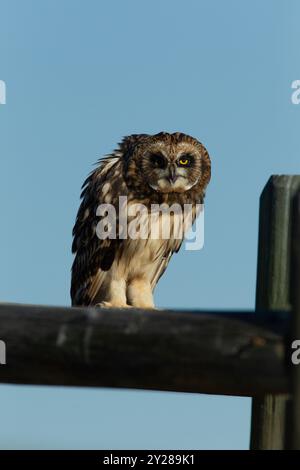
(144, 168)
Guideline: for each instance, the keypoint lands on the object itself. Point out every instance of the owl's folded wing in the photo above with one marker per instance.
(94, 256)
(167, 250)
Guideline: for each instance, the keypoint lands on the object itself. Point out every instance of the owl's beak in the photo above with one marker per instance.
(172, 174)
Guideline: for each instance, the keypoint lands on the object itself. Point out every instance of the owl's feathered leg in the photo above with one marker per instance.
(105, 304)
(139, 293)
(115, 296)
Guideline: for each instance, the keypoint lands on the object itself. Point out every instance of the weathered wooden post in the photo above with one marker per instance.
(269, 413)
(295, 337)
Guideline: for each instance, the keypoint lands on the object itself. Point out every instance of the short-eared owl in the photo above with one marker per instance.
(148, 171)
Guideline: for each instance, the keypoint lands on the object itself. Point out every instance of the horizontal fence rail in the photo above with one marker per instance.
(228, 353)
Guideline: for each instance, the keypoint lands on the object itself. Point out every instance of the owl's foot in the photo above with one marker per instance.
(105, 304)
(139, 294)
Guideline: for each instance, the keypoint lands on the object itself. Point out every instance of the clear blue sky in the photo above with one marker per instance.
(79, 76)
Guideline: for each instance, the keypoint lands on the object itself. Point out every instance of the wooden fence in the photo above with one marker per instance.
(225, 353)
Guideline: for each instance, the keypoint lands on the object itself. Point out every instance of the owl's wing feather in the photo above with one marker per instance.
(165, 254)
(161, 267)
(94, 256)
(164, 261)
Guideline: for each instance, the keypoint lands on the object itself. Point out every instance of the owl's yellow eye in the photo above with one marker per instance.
(185, 160)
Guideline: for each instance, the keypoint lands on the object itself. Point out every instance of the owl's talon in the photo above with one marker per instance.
(105, 304)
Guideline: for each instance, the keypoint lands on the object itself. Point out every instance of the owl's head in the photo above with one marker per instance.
(168, 163)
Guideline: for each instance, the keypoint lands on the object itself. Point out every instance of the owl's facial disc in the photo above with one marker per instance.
(172, 175)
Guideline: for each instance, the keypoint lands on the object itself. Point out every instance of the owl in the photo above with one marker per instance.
(145, 171)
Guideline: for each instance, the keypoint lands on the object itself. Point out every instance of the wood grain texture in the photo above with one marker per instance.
(295, 330)
(205, 352)
(269, 414)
